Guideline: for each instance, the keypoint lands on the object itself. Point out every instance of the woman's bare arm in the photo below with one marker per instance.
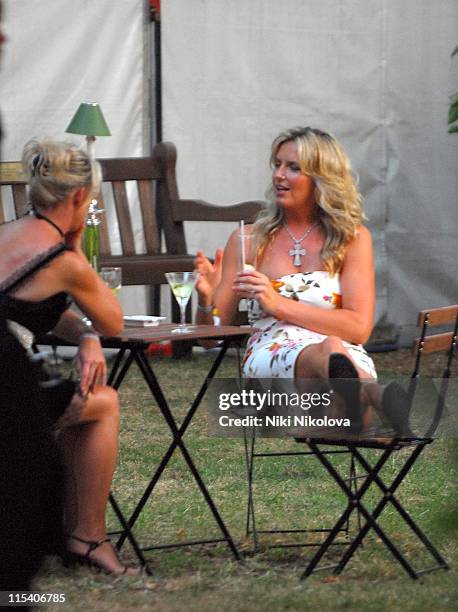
(94, 298)
(215, 284)
(225, 300)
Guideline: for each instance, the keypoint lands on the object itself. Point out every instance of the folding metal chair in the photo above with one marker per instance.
(251, 454)
(427, 343)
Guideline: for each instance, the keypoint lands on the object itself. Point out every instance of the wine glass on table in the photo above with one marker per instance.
(112, 276)
(182, 285)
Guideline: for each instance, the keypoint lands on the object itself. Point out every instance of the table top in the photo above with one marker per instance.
(164, 332)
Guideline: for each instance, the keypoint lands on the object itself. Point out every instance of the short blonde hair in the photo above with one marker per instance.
(55, 169)
(338, 199)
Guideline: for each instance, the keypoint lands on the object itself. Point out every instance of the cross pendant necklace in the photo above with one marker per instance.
(297, 252)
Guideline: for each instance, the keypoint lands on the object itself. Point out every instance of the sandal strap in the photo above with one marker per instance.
(92, 544)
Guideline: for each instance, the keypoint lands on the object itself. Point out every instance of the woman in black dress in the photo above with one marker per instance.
(42, 270)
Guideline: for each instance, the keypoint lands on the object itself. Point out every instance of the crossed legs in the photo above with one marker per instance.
(391, 402)
(313, 362)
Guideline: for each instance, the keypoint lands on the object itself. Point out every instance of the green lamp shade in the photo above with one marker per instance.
(89, 120)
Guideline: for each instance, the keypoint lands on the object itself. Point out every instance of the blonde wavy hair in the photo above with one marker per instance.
(54, 169)
(338, 199)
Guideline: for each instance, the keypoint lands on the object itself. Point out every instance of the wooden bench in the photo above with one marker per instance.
(132, 185)
(140, 266)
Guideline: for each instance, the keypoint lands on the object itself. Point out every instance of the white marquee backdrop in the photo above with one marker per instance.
(59, 54)
(376, 74)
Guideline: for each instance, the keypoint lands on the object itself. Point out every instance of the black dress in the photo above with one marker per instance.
(31, 472)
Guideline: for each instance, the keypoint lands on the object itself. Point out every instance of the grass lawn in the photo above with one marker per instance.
(290, 492)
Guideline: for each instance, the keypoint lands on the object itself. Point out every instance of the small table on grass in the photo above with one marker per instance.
(132, 344)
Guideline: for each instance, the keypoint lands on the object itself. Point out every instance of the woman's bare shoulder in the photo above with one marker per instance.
(71, 266)
(359, 250)
(361, 239)
(364, 232)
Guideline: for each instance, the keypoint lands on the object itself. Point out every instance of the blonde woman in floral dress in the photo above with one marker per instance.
(312, 289)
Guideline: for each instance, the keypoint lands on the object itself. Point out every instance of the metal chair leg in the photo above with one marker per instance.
(355, 503)
(250, 518)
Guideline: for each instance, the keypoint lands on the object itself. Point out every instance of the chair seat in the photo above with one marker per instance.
(363, 440)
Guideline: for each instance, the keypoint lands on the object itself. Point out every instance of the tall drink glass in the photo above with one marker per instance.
(245, 261)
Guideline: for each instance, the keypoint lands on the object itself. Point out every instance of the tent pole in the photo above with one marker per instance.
(157, 75)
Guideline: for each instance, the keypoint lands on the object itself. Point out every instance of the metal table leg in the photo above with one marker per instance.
(139, 357)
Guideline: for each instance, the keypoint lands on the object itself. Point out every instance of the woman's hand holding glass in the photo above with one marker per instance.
(252, 284)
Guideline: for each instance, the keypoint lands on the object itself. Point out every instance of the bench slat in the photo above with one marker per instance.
(124, 221)
(20, 200)
(105, 247)
(2, 209)
(131, 169)
(11, 173)
(151, 229)
(135, 266)
(198, 210)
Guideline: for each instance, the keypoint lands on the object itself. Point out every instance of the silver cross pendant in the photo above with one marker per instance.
(297, 253)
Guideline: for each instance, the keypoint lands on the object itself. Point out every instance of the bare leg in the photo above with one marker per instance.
(90, 455)
(313, 362)
(67, 441)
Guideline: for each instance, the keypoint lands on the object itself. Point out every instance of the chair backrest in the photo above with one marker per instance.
(138, 185)
(438, 334)
(117, 174)
(433, 339)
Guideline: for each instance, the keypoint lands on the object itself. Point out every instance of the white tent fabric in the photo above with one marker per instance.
(59, 54)
(376, 74)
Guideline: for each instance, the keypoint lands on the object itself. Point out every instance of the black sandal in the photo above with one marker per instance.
(344, 380)
(72, 558)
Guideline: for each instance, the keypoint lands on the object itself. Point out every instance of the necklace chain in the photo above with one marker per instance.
(304, 235)
(298, 252)
(38, 215)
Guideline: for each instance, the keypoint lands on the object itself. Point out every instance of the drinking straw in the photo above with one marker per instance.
(242, 242)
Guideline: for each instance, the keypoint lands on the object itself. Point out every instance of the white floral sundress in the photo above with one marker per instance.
(273, 349)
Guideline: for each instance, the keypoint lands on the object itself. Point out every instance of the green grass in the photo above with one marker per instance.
(289, 493)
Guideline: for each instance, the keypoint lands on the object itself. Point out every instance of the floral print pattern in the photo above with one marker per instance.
(273, 349)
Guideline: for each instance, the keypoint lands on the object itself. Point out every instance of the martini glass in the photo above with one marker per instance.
(181, 285)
